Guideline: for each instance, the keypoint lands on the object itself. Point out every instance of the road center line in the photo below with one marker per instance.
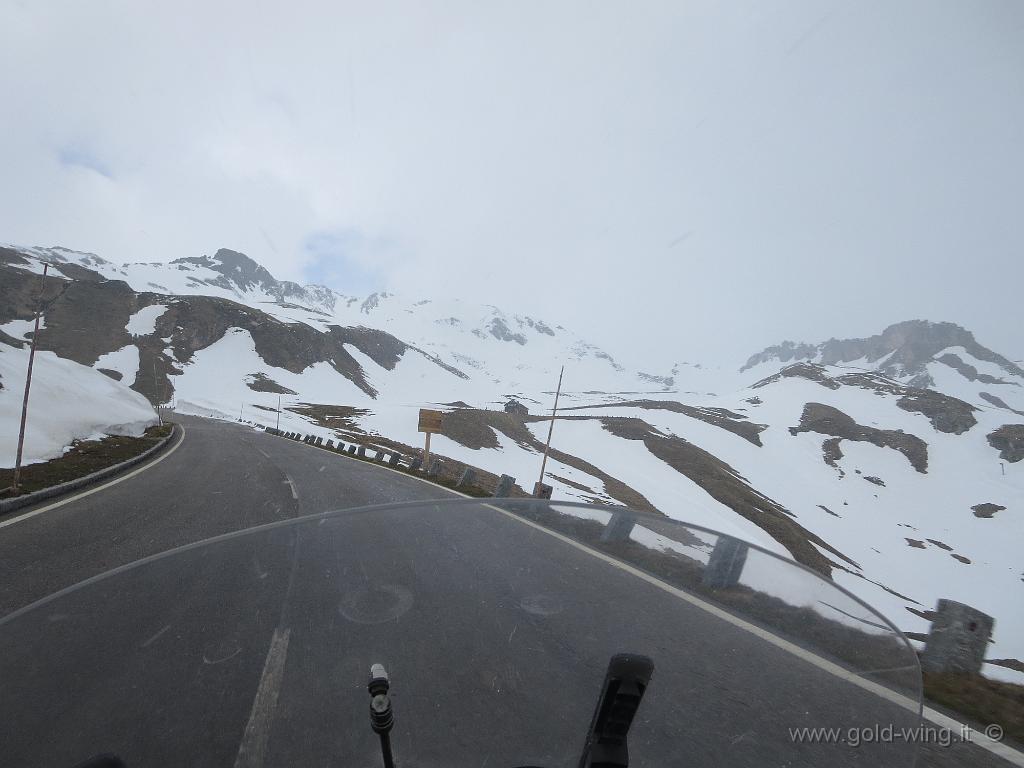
(291, 484)
(253, 748)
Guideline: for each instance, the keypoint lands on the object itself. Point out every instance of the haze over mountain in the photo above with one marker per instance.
(890, 463)
(722, 175)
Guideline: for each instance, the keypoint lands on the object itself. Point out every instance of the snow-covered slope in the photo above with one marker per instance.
(68, 402)
(893, 463)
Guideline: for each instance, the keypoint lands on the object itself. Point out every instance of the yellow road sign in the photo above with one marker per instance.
(430, 421)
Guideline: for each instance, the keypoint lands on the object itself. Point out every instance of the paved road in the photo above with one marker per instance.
(254, 651)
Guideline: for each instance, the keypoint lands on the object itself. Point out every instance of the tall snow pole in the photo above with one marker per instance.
(551, 427)
(28, 381)
(278, 413)
(156, 395)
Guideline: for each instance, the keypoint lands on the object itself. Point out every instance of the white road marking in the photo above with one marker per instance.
(253, 748)
(155, 637)
(291, 484)
(263, 452)
(997, 748)
(98, 488)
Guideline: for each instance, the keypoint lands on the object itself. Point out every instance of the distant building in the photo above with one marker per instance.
(516, 408)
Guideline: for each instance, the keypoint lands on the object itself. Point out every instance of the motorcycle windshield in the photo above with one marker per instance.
(495, 620)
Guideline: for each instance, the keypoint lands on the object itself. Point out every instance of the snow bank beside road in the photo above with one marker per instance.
(68, 402)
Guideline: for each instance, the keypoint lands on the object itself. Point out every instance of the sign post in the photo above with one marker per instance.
(429, 423)
(538, 489)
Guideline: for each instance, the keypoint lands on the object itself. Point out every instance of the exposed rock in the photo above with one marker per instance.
(961, 558)
(903, 349)
(477, 428)
(499, 330)
(783, 353)
(832, 453)
(947, 414)
(917, 544)
(723, 418)
(115, 375)
(665, 381)
(826, 420)
(998, 402)
(875, 480)
(1009, 441)
(987, 509)
(826, 509)
(260, 382)
(941, 545)
(727, 486)
(969, 372)
(803, 371)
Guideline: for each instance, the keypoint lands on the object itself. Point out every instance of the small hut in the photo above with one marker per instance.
(516, 408)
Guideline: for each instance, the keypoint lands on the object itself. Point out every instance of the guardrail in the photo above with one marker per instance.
(28, 499)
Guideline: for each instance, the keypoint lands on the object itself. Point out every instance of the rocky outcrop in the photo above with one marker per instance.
(826, 420)
(998, 402)
(987, 509)
(1009, 441)
(726, 485)
(723, 418)
(901, 350)
(260, 382)
(808, 371)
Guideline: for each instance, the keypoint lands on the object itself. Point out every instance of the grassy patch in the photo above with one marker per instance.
(83, 458)
(980, 699)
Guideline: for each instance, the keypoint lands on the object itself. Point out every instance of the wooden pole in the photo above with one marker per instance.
(278, 412)
(551, 428)
(426, 452)
(28, 382)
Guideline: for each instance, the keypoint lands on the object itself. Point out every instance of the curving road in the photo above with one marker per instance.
(254, 652)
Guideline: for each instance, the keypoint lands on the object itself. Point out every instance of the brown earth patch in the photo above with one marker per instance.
(826, 420)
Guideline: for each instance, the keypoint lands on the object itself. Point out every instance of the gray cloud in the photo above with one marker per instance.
(686, 180)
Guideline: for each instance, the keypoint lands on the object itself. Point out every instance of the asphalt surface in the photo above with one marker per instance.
(255, 650)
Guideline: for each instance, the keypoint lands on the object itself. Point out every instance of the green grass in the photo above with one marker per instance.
(980, 699)
(83, 458)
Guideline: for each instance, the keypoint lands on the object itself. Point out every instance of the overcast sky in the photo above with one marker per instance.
(695, 179)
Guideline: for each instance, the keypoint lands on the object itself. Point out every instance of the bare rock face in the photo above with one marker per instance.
(1009, 441)
(808, 371)
(903, 349)
(826, 420)
(987, 509)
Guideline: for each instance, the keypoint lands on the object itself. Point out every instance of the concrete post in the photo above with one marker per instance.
(468, 477)
(416, 463)
(618, 527)
(435, 468)
(395, 460)
(319, 441)
(958, 639)
(504, 489)
(361, 451)
(330, 445)
(380, 456)
(725, 564)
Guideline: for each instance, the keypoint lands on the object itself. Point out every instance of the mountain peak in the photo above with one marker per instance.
(902, 350)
